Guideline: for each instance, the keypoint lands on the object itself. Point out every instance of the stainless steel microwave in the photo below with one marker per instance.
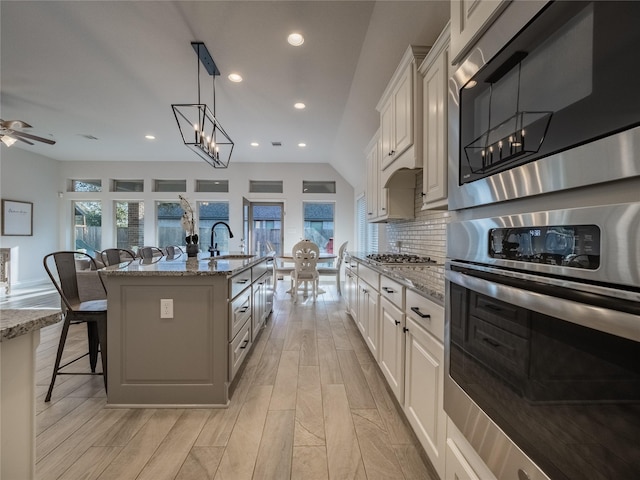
(553, 108)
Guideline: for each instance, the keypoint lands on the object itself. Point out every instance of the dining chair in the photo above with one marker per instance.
(335, 270)
(93, 313)
(114, 256)
(173, 250)
(305, 257)
(150, 252)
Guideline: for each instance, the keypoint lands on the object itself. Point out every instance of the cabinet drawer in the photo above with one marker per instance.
(393, 291)
(370, 276)
(238, 349)
(239, 312)
(239, 282)
(426, 313)
(258, 270)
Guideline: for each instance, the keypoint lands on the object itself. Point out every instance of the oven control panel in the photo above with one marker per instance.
(566, 245)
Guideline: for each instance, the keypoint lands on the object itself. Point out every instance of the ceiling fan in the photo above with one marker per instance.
(10, 132)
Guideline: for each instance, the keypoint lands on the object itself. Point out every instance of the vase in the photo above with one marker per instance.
(192, 250)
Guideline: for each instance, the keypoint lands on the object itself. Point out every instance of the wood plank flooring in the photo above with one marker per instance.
(310, 404)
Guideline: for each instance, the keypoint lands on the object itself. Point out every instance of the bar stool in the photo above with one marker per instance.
(93, 313)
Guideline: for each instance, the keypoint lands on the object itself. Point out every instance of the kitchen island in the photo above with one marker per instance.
(180, 328)
(19, 338)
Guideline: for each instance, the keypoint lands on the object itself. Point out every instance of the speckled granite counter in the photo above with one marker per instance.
(14, 323)
(425, 279)
(182, 266)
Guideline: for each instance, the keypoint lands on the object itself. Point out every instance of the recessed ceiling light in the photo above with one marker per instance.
(300, 105)
(255, 144)
(295, 39)
(150, 137)
(302, 144)
(235, 77)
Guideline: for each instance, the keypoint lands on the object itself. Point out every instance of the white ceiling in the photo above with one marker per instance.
(112, 69)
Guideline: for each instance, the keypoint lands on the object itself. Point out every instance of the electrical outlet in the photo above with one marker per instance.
(166, 308)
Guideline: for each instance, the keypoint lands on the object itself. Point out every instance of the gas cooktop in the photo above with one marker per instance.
(399, 259)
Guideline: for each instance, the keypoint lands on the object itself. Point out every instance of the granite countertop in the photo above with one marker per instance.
(14, 323)
(181, 266)
(411, 276)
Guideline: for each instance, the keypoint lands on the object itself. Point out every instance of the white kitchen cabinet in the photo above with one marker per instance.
(400, 115)
(259, 305)
(386, 203)
(368, 304)
(424, 376)
(351, 290)
(469, 20)
(424, 383)
(392, 346)
(368, 318)
(435, 71)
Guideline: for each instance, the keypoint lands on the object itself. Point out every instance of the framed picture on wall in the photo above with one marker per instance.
(17, 218)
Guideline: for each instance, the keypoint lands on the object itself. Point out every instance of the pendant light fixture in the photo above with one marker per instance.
(200, 129)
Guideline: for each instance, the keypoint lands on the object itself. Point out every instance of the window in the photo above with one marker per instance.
(169, 185)
(87, 226)
(170, 231)
(128, 185)
(318, 224)
(367, 232)
(86, 186)
(210, 213)
(221, 186)
(266, 226)
(309, 186)
(129, 225)
(265, 186)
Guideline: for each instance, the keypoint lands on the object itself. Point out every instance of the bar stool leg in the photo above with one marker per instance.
(63, 339)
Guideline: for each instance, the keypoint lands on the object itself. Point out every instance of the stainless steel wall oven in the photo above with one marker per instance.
(543, 341)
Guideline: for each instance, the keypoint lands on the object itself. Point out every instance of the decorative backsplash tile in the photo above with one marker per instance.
(424, 235)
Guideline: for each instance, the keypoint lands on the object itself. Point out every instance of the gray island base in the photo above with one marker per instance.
(179, 329)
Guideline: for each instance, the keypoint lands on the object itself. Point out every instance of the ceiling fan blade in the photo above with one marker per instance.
(12, 124)
(21, 139)
(32, 137)
(12, 139)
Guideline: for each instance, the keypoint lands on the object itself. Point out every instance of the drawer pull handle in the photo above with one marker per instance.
(495, 308)
(244, 344)
(397, 322)
(242, 282)
(417, 311)
(388, 290)
(244, 309)
(491, 342)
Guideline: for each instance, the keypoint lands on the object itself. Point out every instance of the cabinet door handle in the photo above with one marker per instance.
(405, 329)
(397, 322)
(388, 290)
(491, 342)
(244, 344)
(364, 290)
(392, 152)
(417, 311)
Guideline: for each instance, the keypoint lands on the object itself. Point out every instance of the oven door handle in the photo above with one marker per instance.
(615, 322)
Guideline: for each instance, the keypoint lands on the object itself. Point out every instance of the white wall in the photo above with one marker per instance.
(238, 175)
(30, 177)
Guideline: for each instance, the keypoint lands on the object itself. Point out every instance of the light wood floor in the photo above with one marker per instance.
(310, 404)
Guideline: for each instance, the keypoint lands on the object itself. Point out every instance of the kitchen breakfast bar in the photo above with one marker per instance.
(180, 328)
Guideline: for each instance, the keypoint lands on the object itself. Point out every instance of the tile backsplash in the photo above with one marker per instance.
(423, 235)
